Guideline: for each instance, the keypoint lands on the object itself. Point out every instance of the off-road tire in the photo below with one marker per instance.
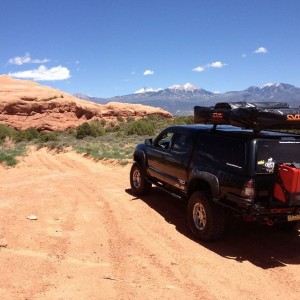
(206, 219)
(139, 184)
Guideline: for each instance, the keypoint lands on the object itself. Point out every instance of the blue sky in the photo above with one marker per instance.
(107, 48)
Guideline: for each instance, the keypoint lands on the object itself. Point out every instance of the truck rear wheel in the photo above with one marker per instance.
(206, 219)
(139, 184)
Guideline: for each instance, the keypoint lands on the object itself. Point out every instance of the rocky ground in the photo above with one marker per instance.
(70, 229)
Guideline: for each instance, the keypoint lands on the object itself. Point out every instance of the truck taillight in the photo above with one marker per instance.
(248, 190)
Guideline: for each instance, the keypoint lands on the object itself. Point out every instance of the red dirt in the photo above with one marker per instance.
(94, 240)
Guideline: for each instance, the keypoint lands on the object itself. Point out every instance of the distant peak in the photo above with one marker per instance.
(186, 87)
(270, 84)
(146, 90)
(176, 87)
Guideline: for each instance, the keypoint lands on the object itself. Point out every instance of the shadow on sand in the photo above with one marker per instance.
(265, 247)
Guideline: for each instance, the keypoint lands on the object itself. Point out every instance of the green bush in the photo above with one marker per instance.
(46, 136)
(130, 119)
(140, 127)
(97, 127)
(113, 127)
(84, 130)
(94, 129)
(120, 119)
(27, 135)
(6, 131)
(182, 120)
(8, 155)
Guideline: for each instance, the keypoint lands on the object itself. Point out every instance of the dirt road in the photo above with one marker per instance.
(94, 240)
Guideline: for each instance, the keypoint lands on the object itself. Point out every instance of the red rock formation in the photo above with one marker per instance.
(25, 104)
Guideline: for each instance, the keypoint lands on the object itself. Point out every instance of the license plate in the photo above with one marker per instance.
(293, 218)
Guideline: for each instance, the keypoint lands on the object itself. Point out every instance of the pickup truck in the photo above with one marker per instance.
(254, 174)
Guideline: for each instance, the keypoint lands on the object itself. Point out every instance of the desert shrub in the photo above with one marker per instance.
(6, 131)
(120, 134)
(120, 119)
(129, 119)
(102, 122)
(9, 155)
(17, 136)
(7, 158)
(27, 135)
(94, 129)
(182, 120)
(158, 122)
(140, 127)
(97, 127)
(56, 146)
(8, 142)
(71, 131)
(113, 127)
(84, 130)
(46, 136)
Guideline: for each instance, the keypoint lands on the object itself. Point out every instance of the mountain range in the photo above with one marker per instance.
(181, 99)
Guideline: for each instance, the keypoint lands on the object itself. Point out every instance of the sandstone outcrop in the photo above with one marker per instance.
(25, 104)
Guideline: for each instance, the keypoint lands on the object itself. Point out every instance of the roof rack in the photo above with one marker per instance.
(251, 115)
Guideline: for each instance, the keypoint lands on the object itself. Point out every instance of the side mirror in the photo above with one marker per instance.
(148, 142)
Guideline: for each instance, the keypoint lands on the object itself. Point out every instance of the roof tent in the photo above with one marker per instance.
(252, 115)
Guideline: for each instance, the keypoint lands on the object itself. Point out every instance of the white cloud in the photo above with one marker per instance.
(20, 60)
(215, 65)
(244, 55)
(261, 50)
(148, 72)
(43, 74)
(199, 69)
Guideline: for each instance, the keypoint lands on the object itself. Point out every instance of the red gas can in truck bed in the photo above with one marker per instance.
(287, 186)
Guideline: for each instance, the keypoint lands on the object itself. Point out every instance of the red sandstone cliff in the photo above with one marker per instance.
(25, 104)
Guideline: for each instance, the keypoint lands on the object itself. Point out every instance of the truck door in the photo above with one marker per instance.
(176, 160)
(157, 154)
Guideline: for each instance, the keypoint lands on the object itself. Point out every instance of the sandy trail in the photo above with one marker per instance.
(94, 240)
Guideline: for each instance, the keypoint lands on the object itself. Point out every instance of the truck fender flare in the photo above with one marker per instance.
(210, 179)
(140, 157)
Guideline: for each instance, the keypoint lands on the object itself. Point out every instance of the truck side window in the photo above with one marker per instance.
(182, 143)
(164, 140)
(224, 151)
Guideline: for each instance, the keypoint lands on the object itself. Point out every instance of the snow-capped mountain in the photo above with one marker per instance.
(271, 85)
(181, 99)
(146, 90)
(186, 87)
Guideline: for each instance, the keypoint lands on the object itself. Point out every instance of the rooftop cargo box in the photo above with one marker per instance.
(253, 115)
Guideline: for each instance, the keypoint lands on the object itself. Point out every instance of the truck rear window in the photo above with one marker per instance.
(268, 153)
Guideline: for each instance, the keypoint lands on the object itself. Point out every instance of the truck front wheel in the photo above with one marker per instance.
(139, 184)
(206, 219)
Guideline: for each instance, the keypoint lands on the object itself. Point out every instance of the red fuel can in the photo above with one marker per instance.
(288, 183)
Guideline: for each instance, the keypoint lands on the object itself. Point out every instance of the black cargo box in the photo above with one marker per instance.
(253, 115)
